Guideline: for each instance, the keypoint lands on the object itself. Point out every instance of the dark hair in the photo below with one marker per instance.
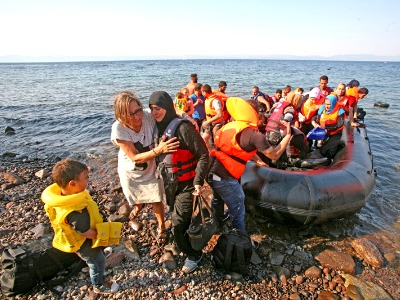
(66, 170)
(222, 83)
(278, 91)
(323, 77)
(353, 83)
(206, 88)
(363, 90)
(193, 75)
(198, 86)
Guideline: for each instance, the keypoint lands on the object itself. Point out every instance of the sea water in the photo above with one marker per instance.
(65, 109)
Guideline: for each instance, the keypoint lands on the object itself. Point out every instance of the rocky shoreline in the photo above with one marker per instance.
(291, 262)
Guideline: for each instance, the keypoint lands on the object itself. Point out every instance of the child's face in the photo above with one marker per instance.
(80, 183)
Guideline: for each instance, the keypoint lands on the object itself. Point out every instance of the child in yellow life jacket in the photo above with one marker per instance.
(77, 222)
(180, 102)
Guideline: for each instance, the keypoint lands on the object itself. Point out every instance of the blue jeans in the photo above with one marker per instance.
(96, 261)
(229, 192)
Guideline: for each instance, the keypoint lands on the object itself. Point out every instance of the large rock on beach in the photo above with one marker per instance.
(336, 260)
(43, 173)
(368, 251)
(114, 259)
(366, 290)
(13, 178)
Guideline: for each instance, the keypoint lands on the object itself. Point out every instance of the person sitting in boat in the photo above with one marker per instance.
(276, 97)
(286, 91)
(323, 86)
(261, 98)
(309, 109)
(287, 111)
(331, 118)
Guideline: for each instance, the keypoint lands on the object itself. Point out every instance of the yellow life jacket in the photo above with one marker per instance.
(58, 207)
(182, 104)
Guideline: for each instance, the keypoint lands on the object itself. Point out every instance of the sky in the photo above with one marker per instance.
(196, 29)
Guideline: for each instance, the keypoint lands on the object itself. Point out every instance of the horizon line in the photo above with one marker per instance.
(76, 58)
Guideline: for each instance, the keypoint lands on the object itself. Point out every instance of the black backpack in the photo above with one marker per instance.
(233, 251)
(25, 266)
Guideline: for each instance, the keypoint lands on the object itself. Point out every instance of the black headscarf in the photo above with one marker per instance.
(163, 100)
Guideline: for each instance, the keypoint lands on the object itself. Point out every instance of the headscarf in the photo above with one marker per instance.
(163, 100)
(333, 101)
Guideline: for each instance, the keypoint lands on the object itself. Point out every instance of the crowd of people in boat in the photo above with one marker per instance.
(321, 107)
(168, 151)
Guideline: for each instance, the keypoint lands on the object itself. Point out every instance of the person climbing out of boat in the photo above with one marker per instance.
(308, 110)
(236, 143)
(287, 111)
(222, 96)
(262, 98)
(331, 118)
(353, 106)
(183, 171)
(214, 115)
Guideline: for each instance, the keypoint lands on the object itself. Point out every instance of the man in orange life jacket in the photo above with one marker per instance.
(183, 170)
(214, 114)
(236, 143)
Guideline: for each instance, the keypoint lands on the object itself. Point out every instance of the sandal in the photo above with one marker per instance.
(135, 212)
(161, 235)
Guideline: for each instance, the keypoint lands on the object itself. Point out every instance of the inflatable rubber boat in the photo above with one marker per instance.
(311, 196)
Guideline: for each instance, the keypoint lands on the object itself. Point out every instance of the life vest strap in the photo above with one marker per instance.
(239, 160)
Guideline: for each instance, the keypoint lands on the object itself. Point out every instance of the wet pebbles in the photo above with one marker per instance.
(291, 263)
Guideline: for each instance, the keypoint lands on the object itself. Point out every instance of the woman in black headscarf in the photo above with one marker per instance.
(192, 158)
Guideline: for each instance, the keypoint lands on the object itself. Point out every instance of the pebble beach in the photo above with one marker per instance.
(290, 263)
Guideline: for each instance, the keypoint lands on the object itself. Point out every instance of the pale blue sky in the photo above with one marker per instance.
(188, 29)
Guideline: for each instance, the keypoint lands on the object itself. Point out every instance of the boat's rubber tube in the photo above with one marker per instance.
(381, 104)
(314, 196)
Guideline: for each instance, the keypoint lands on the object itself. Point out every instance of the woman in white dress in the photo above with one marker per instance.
(132, 132)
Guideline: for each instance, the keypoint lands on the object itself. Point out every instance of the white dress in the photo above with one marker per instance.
(138, 181)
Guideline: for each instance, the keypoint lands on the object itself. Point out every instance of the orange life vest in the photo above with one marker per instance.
(222, 97)
(310, 109)
(228, 151)
(330, 120)
(210, 111)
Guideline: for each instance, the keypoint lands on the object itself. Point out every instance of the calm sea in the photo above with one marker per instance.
(65, 109)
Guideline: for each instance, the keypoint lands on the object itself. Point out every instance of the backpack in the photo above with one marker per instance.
(233, 251)
(25, 266)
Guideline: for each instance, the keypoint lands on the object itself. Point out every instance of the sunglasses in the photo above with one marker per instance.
(136, 112)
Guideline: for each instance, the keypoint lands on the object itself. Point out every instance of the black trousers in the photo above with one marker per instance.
(181, 217)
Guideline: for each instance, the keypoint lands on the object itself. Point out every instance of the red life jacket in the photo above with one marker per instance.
(276, 116)
(182, 162)
(228, 151)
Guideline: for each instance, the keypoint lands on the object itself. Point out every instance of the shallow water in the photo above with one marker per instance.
(65, 109)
